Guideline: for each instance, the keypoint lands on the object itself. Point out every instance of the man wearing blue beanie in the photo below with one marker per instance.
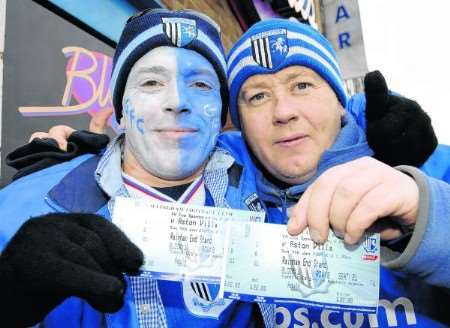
(272, 45)
(288, 98)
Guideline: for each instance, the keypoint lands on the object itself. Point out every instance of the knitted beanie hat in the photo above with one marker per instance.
(154, 28)
(274, 44)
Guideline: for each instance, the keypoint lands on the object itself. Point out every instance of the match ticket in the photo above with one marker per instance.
(266, 264)
(179, 241)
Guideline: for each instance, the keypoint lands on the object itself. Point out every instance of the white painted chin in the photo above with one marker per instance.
(172, 157)
(173, 164)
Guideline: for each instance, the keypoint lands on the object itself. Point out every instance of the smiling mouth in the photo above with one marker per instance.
(291, 141)
(176, 133)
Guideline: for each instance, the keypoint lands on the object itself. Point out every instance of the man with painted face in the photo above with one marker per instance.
(65, 268)
(287, 96)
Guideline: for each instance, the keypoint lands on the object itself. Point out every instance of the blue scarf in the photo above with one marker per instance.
(350, 144)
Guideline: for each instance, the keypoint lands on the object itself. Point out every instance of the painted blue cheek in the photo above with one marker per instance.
(139, 125)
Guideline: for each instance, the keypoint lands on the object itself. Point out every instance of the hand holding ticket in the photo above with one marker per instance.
(253, 261)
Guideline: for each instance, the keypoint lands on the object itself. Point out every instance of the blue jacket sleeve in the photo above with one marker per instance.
(427, 253)
(438, 164)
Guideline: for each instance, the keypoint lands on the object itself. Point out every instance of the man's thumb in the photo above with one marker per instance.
(377, 96)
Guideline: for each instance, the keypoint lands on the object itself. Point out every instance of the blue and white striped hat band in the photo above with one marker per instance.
(274, 44)
(160, 27)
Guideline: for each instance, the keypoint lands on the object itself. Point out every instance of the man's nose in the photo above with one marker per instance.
(179, 100)
(285, 110)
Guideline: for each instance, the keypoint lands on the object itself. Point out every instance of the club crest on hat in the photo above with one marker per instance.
(270, 48)
(180, 31)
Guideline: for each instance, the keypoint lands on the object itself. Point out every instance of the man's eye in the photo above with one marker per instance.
(202, 85)
(257, 98)
(151, 83)
(302, 85)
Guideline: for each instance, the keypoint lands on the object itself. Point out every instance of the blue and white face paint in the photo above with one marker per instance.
(172, 110)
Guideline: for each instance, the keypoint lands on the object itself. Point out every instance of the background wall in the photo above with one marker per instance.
(52, 74)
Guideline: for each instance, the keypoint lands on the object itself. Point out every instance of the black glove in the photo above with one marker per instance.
(42, 153)
(398, 129)
(56, 256)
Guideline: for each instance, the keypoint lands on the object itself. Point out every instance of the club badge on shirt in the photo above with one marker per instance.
(202, 299)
